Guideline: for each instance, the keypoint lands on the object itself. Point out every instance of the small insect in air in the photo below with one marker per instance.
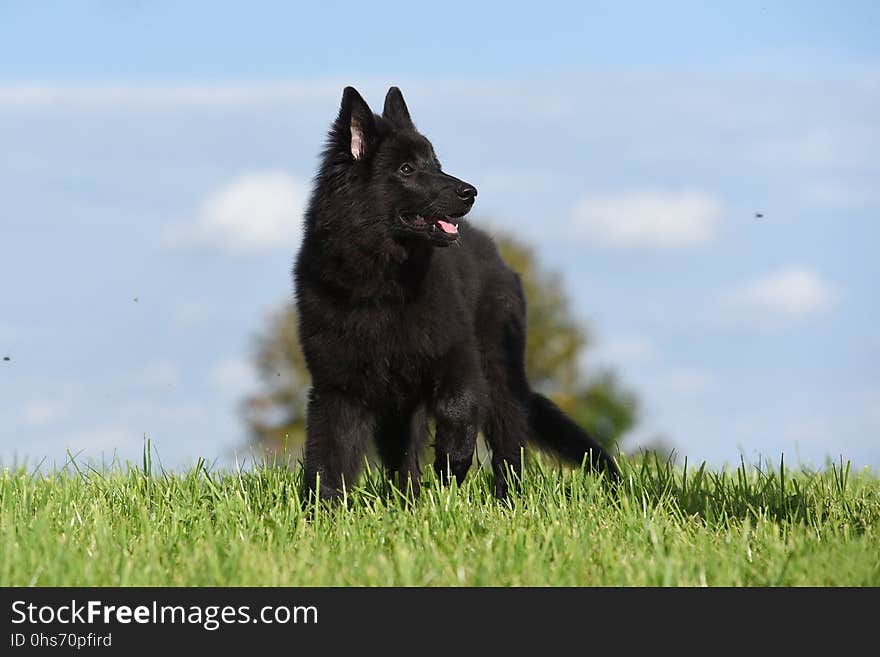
(6, 358)
(759, 215)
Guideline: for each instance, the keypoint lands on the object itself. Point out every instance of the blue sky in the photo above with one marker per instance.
(163, 153)
(163, 39)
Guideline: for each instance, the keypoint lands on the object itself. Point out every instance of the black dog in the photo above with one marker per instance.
(395, 327)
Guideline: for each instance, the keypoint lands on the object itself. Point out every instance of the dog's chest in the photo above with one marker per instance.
(386, 351)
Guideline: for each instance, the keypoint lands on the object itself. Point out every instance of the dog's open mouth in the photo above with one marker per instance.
(441, 228)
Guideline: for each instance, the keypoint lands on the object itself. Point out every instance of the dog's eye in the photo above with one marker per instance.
(406, 169)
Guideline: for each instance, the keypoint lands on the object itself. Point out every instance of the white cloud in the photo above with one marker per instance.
(512, 181)
(868, 405)
(31, 96)
(184, 426)
(841, 195)
(159, 374)
(234, 376)
(190, 313)
(255, 212)
(622, 350)
(647, 219)
(687, 381)
(9, 333)
(42, 413)
(498, 100)
(818, 148)
(108, 438)
(790, 294)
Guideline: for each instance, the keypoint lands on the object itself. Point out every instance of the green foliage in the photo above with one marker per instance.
(606, 408)
(555, 341)
(663, 525)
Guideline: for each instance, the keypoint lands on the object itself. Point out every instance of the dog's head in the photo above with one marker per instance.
(392, 175)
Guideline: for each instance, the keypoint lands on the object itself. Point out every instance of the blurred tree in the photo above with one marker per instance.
(276, 414)
(554, 345)
(604, 407)
(556, 340)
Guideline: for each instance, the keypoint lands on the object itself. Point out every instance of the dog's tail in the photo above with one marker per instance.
(558, 433)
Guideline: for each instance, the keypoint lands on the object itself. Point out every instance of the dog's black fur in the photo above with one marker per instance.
(395, 328)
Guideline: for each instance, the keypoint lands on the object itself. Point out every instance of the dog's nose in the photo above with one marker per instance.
(466, 192)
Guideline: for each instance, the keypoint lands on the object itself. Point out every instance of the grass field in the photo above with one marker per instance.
(663, 526)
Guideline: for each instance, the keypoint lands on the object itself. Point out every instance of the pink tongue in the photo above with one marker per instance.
(447, 227)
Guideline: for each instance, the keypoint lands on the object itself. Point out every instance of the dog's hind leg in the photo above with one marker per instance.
(506, 432)
(503, 344)
(399, 441)
(458, 405)
(337, 430)
(507, 421)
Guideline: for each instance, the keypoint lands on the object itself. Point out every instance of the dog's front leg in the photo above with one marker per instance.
(337, 430)
(399, 439)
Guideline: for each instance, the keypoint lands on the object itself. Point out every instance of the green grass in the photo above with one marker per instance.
(663, 526)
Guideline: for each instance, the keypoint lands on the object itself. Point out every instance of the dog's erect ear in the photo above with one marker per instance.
(356, 127)
(395, 110)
